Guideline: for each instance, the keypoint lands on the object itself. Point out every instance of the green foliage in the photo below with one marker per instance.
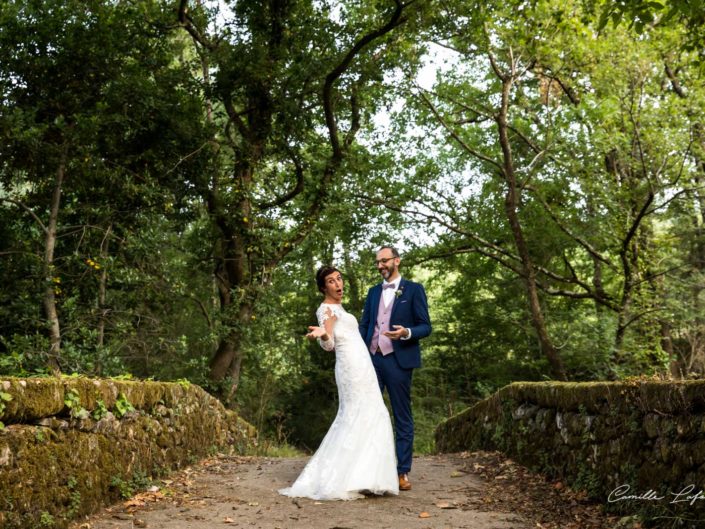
(74, 497)
(46, 519)
(100, 410)
(97, 71)
(643, 15)
(128, 487)
(123, 406)
(24, 355)
(39, 434)
(4, 398)
(72, 400)
(124, 487)
(587, 480)
(173, 178)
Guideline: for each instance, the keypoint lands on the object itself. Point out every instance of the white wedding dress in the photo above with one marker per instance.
(357, 454)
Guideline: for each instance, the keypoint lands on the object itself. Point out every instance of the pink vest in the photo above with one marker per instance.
(381, 326)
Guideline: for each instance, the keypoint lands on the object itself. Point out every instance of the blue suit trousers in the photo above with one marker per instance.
(397, 381)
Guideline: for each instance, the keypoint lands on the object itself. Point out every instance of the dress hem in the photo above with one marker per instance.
(350, 494)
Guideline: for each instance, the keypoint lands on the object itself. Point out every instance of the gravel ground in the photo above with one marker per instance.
(468, 490)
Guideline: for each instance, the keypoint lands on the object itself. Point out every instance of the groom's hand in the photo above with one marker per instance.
(397, 333)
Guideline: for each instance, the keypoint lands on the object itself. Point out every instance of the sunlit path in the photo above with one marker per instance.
(447, 493)
(242, 492)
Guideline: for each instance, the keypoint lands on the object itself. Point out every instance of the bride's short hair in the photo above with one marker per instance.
(321, 275)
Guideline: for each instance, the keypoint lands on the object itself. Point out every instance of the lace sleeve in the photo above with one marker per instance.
(323, 313)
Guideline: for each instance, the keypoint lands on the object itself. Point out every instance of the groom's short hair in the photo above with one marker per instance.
(394, 251)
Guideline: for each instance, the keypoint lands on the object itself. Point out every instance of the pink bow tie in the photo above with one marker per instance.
(387, 285)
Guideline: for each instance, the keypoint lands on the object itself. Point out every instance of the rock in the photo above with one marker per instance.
(651, 425)
(53, 423)
(107, 425)
(524, 411)
(5, 456)
(685, 425)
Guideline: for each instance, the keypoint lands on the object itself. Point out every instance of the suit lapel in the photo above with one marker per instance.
(402, 285)
(376, 294)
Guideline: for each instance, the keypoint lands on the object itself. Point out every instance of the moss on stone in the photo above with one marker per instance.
(594, 435)
(66, 467)
(32, 398)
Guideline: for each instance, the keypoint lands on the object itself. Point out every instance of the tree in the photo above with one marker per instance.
(288, 86)
(642, 15)
(89, 131)
(600, 158)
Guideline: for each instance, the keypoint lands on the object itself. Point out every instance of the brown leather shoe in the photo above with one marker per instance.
(404, 483)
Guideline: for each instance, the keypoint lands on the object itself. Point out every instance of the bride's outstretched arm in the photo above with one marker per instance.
(324, 332)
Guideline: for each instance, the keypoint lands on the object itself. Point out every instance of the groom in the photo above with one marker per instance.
(393, 321)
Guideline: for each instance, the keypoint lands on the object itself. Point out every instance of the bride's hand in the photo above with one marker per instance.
(317, 332)
(330, 316)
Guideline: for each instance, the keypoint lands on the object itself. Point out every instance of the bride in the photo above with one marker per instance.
(357, 454)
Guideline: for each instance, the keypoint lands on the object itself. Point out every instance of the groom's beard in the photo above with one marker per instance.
(387, 273)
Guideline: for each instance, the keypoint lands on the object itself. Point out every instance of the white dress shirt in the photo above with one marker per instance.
(388, 295)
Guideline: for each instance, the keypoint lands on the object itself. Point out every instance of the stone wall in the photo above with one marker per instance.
(647, 437)
(71, 445)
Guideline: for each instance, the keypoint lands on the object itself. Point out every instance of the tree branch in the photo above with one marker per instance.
(203, 308)
(28, 210)
(582, 242)
(675, 83)
(297, 189)
(355, 121)
(21, 252)
(338, 151)
(187, 23)
(456, 137)
(328, 106)
(635, 225)
(674, 197)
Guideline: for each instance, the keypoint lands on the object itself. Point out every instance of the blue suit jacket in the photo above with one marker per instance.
(410, 310)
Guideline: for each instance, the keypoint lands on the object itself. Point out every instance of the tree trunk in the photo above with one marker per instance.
(621, 327)
(674, 365)
(697, 257)
(227, 357)
(244, 264)
(234, 277)
(511, 203)
(630, 254)
(49, 300)
(355, 301)
(102, 312)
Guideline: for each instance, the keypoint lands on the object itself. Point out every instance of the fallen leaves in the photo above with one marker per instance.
(512, 488)
(140, 500)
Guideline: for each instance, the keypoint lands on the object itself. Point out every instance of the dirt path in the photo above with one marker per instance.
(449, 491)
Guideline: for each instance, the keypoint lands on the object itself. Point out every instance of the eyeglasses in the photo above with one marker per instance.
(384, 261)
